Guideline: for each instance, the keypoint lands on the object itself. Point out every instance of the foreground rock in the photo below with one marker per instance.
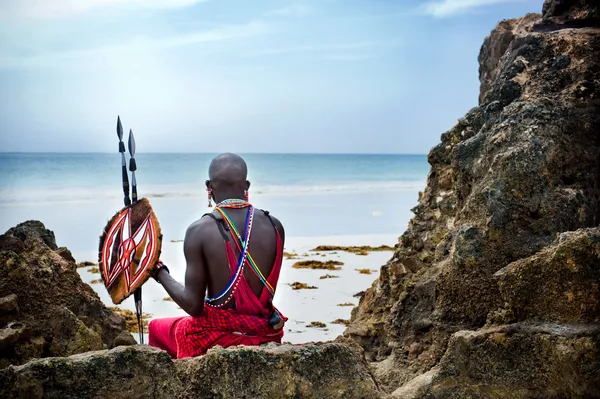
(537, 360)
(331, 370)
(506, 232)
(45, 308)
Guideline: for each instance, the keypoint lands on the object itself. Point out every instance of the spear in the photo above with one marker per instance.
(123, 163)
(137, 295)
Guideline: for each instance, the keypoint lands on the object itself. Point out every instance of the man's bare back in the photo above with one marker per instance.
(208, 240)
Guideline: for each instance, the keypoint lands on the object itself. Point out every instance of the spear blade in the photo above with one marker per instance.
(131, 143)
(132, 166)
(125, 178)
(119, 128)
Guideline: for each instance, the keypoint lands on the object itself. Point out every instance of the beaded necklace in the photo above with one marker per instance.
(252, 263)
(233, 203)
(243, 256)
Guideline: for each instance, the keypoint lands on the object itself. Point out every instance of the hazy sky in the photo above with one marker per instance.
(376, 76)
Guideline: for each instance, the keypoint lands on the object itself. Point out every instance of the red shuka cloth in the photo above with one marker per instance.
(247, 324)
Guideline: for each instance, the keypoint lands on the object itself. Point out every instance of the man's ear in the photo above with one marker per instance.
(208, 184)
(247, 185)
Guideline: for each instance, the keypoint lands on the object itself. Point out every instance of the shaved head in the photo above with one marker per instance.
(227, 175)
(228, 168)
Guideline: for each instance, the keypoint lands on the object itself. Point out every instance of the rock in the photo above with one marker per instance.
(65, 254)
(495, 46)
(329, 370)
(283, 371)
(124, 372)
(8, 304)
(417, 387)
(32, 233)
(520, 361)
(124, 338)
(70, 335)
(558, 284)
(63, 315)
(505, 231)
(586, 12)
(10, 335)
(9, 309)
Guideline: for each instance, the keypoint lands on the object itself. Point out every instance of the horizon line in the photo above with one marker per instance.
(213, 153)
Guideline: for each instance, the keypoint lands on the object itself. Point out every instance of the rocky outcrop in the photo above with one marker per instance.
(330, 370)
(45, 308)
(505, 233)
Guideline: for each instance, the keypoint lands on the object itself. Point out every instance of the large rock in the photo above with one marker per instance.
(506, 229)
(41, 291)
(559, 284)
(330, 370)
(123, 372)
(520, 361)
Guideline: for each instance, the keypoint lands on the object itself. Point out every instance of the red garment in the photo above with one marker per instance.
(161, 334)
(247, 324)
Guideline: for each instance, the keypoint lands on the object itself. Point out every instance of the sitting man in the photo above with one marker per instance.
(236, 252)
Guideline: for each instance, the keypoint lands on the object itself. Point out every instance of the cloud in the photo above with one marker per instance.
(141, 44)
(447, 8)
(68, 8)
(299, 10)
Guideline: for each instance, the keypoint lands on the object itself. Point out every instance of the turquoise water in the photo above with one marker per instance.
(52, 177)
(313, 195)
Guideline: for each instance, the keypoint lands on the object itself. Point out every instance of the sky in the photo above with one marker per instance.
(274, 76)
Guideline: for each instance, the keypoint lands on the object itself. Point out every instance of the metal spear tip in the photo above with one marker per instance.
(119, 128)
(131, 143)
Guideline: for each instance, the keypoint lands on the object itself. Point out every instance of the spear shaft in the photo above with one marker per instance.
(137, 295)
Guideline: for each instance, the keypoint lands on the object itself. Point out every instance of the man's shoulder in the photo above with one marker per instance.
(275, 221)
(199, 227)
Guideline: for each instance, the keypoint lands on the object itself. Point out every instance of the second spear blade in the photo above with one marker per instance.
(132, 165)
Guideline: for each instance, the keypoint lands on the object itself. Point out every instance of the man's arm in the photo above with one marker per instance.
(191, 296)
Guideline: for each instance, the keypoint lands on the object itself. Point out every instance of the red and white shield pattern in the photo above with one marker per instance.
(124, 260)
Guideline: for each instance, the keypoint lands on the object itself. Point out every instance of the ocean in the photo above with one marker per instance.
(320, 199)
(318, 195)
(40, 177)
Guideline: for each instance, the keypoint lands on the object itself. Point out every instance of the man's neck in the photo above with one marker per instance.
(229, 197)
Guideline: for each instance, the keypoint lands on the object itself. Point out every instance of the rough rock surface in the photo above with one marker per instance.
(506, 232)
(45, 308)
(576, 12)
(538, 360)
(330, 370)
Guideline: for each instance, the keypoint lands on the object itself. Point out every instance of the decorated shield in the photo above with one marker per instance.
(130, 246)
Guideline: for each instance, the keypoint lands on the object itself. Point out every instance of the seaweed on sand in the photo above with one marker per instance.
(319, 265)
